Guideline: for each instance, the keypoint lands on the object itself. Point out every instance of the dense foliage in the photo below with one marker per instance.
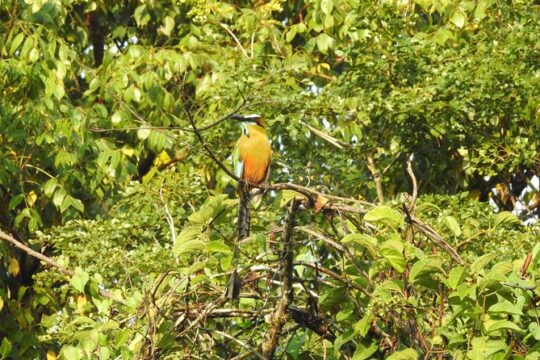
(366, 102)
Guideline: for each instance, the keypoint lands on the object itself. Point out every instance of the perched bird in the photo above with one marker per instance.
(252, 156)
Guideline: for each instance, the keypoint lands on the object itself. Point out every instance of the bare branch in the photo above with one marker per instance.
(170, 219)
(203, 315)
(412, 204)
(240, 342)
(7, 237)
(376, 178)
(33, 253)
(208, 150)
(438, 239)
(224, 26)
(333, 275)
(324, 136)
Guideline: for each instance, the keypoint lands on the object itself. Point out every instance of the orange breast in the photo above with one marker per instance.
(255, 152)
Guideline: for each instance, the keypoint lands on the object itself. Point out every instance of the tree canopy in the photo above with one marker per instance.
(401, 217)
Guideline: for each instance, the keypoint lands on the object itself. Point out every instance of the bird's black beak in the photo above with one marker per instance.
(238, 117)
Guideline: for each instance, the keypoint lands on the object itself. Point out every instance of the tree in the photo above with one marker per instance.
(397, 127)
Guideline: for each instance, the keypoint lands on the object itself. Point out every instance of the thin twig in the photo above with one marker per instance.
(333, 275)
(376, 178)
(241, 343)
(214, 304)
(412, 204)
(208, 150)
(168, 215)
(224, 26)
(324, 135)
(438, 239)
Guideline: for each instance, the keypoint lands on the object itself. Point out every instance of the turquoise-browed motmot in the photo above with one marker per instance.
(252, 156)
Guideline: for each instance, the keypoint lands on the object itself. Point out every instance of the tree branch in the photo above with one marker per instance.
(438, 239)
(279, 317)
(33, 253)
(376, 178)
(333, 275)
(7, 237)
(412, 204)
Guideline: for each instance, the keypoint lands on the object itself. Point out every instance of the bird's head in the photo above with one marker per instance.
(254, 119)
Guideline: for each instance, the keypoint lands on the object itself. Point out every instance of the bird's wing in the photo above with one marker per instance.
(238, 162)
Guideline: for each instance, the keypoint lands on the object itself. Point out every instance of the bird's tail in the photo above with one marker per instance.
(244, 216)
(242, 231)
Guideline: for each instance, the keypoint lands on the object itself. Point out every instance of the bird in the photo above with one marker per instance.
(252, 156)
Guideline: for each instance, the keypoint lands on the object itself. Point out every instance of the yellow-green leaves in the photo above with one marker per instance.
(189, 240)
(392, 251)
(15, 43)
(79, 279)
(407, 354)
(384, 215)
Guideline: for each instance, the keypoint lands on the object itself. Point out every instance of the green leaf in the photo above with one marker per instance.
(58, 197)
(94, 84)
(480, 263)
(385, 215)
(361, 327)
(407, 354)
(327, 6)
(219, 247)
(27, 46)
(456, 276)
(458, 19)
(33, 56)
(143, 133)
(5, 348)
(506, 217)
(79, 279)
(423, 268)
(394, 257)
(534, 329)
(286, 196)
(343, 339)
(116, 117)
(364, 351)
(503, 325)
(212, 207)
(71, 353)
(452, 224)
(366, 241)
(483, 348)
(188, 241)
(168, 26)
(505, 307)
(324, 42)
(15, 43)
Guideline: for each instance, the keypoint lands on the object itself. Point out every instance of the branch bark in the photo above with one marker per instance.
(280, 316)
(377, 178)
(47, 260)
(438, 239)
